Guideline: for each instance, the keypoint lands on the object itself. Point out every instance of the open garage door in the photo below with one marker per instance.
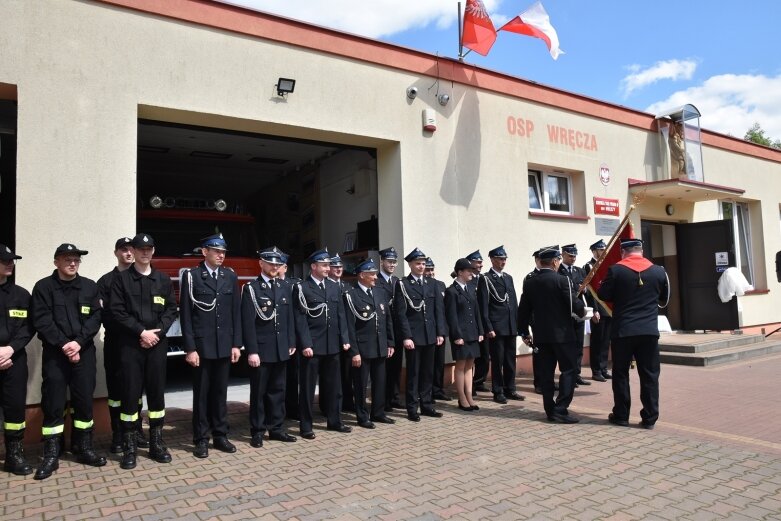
(8, 172)
(258, 190)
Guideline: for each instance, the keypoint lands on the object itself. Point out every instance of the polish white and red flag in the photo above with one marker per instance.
(479, 32)
(535, 22)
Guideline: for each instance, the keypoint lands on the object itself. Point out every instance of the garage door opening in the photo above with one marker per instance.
(256, 189)
(8, 172)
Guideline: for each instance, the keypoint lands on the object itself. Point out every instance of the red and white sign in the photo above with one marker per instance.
(606, 206)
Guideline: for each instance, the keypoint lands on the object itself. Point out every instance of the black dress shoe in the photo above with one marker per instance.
(597, 377)
(645, 425)
(467, 408)
(580, 381)
(562, 418)
(308, 435)
(201, 449)
(475, 408)
(281, 436)
(499, 398)
(515, 395)
(366, 425)
(607, 375)
(257, 440)
(413, 417)
(341, 428)
(222, 444)
(432, 413)
(616, 421)
(384, 419)
(538, 390)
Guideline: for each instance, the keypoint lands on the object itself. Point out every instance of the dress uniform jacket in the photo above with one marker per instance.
(463, 313)
(141, 303)
(54, 318)
(635, 309)
(387, 286)
(368, 338)
(423, 326)
(212, 333)
(269, 339)
(590, 300)
(327, 330)
(500, 317)
(552, 300)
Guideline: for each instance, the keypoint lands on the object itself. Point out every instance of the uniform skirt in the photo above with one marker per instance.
(466, 351)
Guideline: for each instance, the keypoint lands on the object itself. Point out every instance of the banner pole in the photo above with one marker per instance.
(610, 244)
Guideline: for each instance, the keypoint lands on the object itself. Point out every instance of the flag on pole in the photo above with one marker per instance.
(535, 22)
(611, 256)
(479, 34)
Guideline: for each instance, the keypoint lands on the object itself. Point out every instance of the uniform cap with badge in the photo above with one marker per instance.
(68, 249)
(631, 243)
(461, 264)
(319, 256)
(6, 254)
(570, 249)
(599, 245)
(430, 263)
(215, 242)
(389, 253)
(122, 242)
(549, 252)
(498, 252)
(336, 261)
(414, 255)
(474, 256)
(272, 255)
(143, 240)
(366, 266)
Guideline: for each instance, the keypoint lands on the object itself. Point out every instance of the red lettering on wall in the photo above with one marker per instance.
(519, 126)
(575, 139)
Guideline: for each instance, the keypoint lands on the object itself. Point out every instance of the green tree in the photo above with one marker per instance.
(757, 135)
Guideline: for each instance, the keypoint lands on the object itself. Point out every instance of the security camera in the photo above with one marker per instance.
(412, 92)
(444, 99)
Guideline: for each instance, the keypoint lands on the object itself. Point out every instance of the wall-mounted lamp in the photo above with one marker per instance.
(285, 86)
(443, 99)
(669, 209)
(412, 92)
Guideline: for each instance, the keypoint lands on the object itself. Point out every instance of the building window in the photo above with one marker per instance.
(741, 224)
(550, 192)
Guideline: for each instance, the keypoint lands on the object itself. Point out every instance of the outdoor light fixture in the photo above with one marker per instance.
(412, 92)
(285, 86)
(443, 99)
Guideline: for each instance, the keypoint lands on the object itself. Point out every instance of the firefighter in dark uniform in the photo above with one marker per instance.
(210, 313)
(66, 315)
(536, 369)
(599, 344)
(386, 282)
(636, 287)
(499, 312)
(569, 253)
(291, 384)
(335, 272)
(438, 382)
(481, 363)
(550, 298)
(268, 326)
(16, 331)
(370, 329)
(144, 307)
(123, 251)
(419, 318)
(320, 301)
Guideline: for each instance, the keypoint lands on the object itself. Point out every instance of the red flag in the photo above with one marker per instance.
(479, 33)
(611, 256)
(535, 22)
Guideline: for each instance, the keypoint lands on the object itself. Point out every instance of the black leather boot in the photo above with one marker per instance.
(51, 460)
(116, 431)
(87, 454)
(129, 450)
(141, 440)
(15, 463)
(157, 449)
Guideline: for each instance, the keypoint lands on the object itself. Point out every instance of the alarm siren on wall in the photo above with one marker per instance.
(429, 120)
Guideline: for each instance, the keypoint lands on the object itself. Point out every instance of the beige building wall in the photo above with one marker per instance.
(86, 72)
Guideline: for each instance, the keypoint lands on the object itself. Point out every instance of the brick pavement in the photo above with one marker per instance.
(714, 455)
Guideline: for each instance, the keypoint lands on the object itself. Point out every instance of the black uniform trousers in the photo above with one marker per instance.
(481, 365)
(536, 369)
(291, 387)
(59, 374)
(580, 331)
(645, 350)
(327, 368)
(345, 366)
(393, 377)
(502, 349)
(420, 372)
(13, 393)
(549, 355)
(267, 397)
(374, 367)
(600, 344)
(437, 385)
(143, 369)
(210, 395)
(113, 367)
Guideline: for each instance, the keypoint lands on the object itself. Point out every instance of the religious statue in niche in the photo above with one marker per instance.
(680, 161)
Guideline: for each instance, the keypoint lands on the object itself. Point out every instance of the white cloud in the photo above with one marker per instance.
(663, 70)
(732, 103)
(374, 19)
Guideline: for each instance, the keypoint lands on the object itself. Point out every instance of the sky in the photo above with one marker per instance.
(649, 55)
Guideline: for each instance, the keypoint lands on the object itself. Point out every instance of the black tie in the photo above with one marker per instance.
(369, 292)
(322, 287)
(214, 275)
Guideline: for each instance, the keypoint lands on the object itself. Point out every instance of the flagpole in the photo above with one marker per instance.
(613, 239)
(460, 34)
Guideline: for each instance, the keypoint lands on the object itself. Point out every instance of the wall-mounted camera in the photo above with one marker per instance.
(412, 92)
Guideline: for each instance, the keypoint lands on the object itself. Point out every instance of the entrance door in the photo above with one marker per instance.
(698, 278)
(8, 172)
